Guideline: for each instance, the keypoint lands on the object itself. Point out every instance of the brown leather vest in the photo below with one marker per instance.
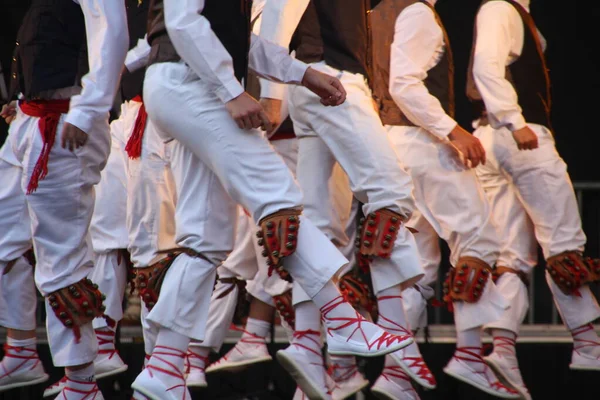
(440, 78)
(229, 20)
(528, 74)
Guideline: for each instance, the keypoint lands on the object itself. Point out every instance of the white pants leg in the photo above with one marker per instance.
(507, 175)
(108, 229)
(415, 297)
(61, 210)
(451, 199)
(355, 137)
(17, 288)
(248, 169)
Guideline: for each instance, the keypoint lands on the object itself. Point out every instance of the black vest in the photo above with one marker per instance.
(528, 74)
(137, 17)
(440, 78)
(51, 51)
(336, 31)
(229, 20)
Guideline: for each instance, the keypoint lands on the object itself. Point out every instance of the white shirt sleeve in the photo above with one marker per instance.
(279, 21)
(138, 56)
(200, 48)
(107, 42)
(417, 47)
(499, 41)
(274, 63)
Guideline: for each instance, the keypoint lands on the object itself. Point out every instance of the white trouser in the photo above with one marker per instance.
(450, 198)
(214, 159)
(532, 197)
(355, 138)
(108, 229)
(61, 210)
(17, 288)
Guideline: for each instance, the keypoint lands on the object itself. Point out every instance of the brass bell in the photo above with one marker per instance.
(143, 285)
(147, 295)
(54, 305)
(265, 253)
(52, 297)
(71, 288)
(388, 237)
(259, 234)
(68, 322)
(85, 304)
(63, 315)
(89, 312)
(392, 229)
(458, 283)
(372, 222)
(102, 308)
(292, 228)
(103, 296)
(261, 242)
(386, 244)
(289, 245)
(95, 285)
(291, 237)
(151, 304)
(270, 225)
(270, 233)
(478, 286)
(275, 253)
(292, 219)
(366, 243)
(394, 220)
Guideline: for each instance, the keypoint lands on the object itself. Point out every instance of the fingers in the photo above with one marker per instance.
(256, 120)
(265, 122)
(341, 92)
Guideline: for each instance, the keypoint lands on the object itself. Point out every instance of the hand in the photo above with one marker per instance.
(468, 146)
(248, 113)
(526, 138)
(272, 108)
(9, 112)
(327, 87)
(72, 137)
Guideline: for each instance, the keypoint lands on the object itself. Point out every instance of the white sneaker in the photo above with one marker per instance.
(195, 378)
(55, 388)
(584, 362)
(27, 372)
(394, 384)
(376, 343)
(241, 356)
(309, 377)
(482, 378)
(148, 384)
(506, 368)
(91, 392)
(108, 364)
(415, 368)
(349, 385)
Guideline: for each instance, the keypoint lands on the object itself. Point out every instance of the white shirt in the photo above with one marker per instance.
(200, 48)
(280, 18)
(500, 36)
(418, 46)
(138, 56)
(107, 43)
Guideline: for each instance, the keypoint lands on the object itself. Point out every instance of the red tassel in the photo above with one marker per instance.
(134, 144)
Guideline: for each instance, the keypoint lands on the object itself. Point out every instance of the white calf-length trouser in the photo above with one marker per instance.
(217, 165)
(355, 138)
(532, 198)
(60, 211)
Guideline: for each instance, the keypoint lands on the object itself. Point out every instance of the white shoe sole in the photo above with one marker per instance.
(505, 378)
(112, 372)
(382, 352)
(238, 364)
(15, 385)
(576, 367)
(479, 386)
(352, 392)
(306, 385)
(196, 384)
(382, 394)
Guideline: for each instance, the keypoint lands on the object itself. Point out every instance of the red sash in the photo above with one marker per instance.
(49, 112)
(134, 144)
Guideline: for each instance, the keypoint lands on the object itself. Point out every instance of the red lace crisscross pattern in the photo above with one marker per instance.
(340, 373)
(189, 362)
(395, 372)
(22, 353)
(106, 338)
(247, 337)
(505, 345)
(579, 344)
(62, 382)
(159, 353)
(386, 339)
(415, 364)
(473, 355)
(89, 394)
(314, 338)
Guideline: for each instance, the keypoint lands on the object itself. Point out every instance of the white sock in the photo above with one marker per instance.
(19, 355)
(585, 340)
(504, 342)
(169, 354)
(307, 335)
(469, 338)
(106, 340)
(308, 316)
(197, 357)
(393, 372)
(392, 317)
(81, 384)
(256, 327)
(332, 305)
(342, 367)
